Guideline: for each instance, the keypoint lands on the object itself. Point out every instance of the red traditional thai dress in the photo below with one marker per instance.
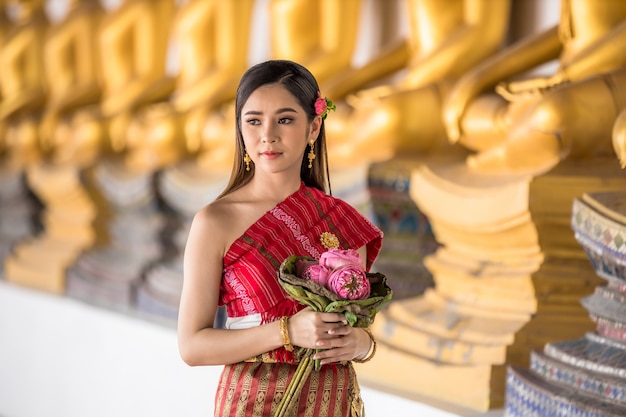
(252, 295)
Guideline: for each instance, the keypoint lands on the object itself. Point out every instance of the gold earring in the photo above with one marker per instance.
(311, 154)
(247, 160)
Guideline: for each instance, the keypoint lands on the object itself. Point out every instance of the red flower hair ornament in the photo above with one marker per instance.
(323, 106)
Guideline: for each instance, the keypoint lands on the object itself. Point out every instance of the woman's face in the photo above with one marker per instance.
(276, 130)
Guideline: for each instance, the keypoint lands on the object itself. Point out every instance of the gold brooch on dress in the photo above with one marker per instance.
(329, 241)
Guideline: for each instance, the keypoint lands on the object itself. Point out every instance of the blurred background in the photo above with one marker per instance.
(484, 137)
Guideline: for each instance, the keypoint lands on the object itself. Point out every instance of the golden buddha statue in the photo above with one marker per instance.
(403, 116)
(71, 130)
(133, 43)
(528, 126)
(133, 46)
(321, 35)
(22, 83)
(388, 52)
(212, 40)
(69, 146)
(5, 24)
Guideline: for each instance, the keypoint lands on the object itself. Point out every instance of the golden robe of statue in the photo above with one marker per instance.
(212, 40)
(71, 130)
(321, 35)
(403, 116)
(22, 84)
(530, 125)
(619, 138)
(5, 24)
(133, 45)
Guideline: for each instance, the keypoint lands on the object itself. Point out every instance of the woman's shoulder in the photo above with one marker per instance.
(226, 218)
(216, 212)
(213, 225)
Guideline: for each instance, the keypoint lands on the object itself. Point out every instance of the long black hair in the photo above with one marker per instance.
(303, 86)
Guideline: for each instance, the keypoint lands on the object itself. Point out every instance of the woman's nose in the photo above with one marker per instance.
(268, 135)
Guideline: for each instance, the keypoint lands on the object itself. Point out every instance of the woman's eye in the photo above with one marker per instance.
(253, 122)
(285, 120)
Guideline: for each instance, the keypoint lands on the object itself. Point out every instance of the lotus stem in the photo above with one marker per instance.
(295, 387)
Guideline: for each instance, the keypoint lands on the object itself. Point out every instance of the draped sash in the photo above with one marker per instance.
(293, 227)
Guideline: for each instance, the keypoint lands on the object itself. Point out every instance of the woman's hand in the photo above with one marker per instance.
(307, 328)
(330, 333)
(346, 343)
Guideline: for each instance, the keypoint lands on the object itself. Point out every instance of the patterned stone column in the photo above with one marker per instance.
(586, 376)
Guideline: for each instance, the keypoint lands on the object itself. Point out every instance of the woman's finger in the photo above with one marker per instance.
(333, 318)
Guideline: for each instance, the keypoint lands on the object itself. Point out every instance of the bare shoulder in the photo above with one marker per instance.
(212, 223)
(222, 221)
(215, 212)
(226, 219)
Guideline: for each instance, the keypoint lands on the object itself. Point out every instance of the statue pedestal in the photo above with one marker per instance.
(108, 274)
(508, 278)
(18, 210)
(41, 262)
(185, 188)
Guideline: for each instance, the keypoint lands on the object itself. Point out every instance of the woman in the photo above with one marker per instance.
(274, 206)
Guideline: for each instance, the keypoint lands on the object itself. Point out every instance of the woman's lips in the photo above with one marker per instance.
(271, 154)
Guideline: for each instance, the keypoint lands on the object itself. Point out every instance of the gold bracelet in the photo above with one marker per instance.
(284, 333)
(372, 350)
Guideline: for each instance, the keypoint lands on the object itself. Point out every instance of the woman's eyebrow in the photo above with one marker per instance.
(286, 110)
(279, 111)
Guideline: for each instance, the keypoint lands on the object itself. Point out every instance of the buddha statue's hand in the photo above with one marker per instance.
(619, 138)
(455, 105)
(538, 86)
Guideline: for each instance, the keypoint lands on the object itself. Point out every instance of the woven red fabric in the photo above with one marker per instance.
(293, 227)
(255, 390)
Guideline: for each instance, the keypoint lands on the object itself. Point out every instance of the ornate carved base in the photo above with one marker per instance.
(529, 395)
(585, 376)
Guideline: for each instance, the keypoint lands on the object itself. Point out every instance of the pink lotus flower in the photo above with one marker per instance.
(349, 282)
(313, 271)
(317, 273)
(303, 264)
(335, 258)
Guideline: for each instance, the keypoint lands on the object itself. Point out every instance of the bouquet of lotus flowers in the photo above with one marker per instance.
(336, 283)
